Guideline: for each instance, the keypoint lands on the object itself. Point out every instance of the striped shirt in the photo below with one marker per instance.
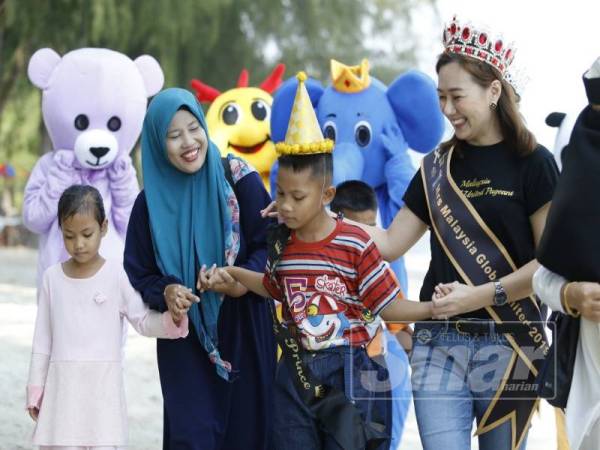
(332, 290)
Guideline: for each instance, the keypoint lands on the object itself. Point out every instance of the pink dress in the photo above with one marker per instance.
(76, 371)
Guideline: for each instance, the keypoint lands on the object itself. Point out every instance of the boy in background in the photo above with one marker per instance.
(356, 200)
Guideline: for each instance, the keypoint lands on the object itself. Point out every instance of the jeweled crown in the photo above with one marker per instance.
(467, 40)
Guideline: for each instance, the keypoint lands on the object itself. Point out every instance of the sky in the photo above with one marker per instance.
(556, 42)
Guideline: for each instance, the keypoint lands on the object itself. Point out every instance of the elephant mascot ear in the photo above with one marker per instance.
(415, 102)
(281, 110)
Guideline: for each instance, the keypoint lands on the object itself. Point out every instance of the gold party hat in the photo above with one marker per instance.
(350, 79)
(304, 136)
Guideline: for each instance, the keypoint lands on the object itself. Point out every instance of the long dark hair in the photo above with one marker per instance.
(512, 126)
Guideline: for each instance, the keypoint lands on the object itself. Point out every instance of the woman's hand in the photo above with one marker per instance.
(455, 298)
(269, 211)
(219, 280)
(584, 297)
(179, 299)
(33, 413)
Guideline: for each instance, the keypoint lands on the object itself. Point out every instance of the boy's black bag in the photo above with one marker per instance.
(557, 373)
(339, 417)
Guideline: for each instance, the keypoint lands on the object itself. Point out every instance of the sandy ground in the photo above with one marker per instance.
(17, 315)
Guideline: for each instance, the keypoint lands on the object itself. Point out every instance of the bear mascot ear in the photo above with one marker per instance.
(41, 66)
(281, 110)
(151, 73)
(414, 99)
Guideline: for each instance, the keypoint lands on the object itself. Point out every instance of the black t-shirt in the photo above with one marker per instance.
(504, 189)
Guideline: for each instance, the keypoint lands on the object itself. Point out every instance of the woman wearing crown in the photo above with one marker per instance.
(485, 195)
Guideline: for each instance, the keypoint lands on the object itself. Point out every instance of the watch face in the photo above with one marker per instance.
(500, 297)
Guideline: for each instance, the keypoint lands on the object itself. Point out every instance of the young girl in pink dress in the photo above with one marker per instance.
(75, 390)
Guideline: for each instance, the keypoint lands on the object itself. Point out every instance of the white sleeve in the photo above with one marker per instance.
(547, 286)
(146, 321)
(41, 348)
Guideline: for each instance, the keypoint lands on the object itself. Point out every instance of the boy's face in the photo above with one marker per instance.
(368, 216)
(301, 196)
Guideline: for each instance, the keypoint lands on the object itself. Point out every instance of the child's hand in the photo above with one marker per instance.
(33, 413)
(213, 279)
(442, 290)
(179, 299)
(202, 283)
(218, 279)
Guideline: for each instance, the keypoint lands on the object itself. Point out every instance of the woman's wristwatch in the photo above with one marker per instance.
(500, 297)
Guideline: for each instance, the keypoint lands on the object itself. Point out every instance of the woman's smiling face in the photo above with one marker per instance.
(187, 142)
(466, 104)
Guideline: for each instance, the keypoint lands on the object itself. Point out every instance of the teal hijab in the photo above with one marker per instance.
(190, 220)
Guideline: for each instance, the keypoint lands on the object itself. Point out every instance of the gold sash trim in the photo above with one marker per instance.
(478, 267)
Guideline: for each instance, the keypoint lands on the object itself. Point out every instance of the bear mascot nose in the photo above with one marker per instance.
(99, 152)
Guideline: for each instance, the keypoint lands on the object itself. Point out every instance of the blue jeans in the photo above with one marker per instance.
(400, 393)
(350, 370)
(455, 376)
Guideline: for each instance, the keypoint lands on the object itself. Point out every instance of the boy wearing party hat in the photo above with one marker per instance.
(332, 283)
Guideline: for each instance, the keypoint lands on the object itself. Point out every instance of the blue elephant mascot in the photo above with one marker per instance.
(373, 126)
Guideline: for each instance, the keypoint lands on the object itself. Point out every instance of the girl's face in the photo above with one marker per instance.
(186, 142)
(467, 105)
(82, 235)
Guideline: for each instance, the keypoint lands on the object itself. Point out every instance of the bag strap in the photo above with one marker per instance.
(228, 174)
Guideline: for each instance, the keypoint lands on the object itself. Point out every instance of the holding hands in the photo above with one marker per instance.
(455, 298)
(218, 279)
(179, 299)
(452, 299)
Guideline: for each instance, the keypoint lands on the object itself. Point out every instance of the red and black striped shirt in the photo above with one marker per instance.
(333, 289)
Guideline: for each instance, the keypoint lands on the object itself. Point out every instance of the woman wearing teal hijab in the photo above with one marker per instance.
(216, 382)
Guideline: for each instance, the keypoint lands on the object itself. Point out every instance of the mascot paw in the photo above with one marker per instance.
(120, 168)
(64, 159)
(393, 141)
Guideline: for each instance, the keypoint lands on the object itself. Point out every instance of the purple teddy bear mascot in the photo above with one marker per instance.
(93, 103)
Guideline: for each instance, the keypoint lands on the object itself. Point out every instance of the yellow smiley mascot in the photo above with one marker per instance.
(239, 119)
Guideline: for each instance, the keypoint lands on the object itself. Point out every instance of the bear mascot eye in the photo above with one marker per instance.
(362, 133)
(231, 114)
(330, 130)
(114, 123)
(260, 110)
(82, 122)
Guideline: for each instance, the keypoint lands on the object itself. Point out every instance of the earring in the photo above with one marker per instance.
(493, 106)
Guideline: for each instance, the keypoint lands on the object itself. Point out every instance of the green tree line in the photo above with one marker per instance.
(207, 39)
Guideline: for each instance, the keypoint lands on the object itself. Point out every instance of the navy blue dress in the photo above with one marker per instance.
(201, 410)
